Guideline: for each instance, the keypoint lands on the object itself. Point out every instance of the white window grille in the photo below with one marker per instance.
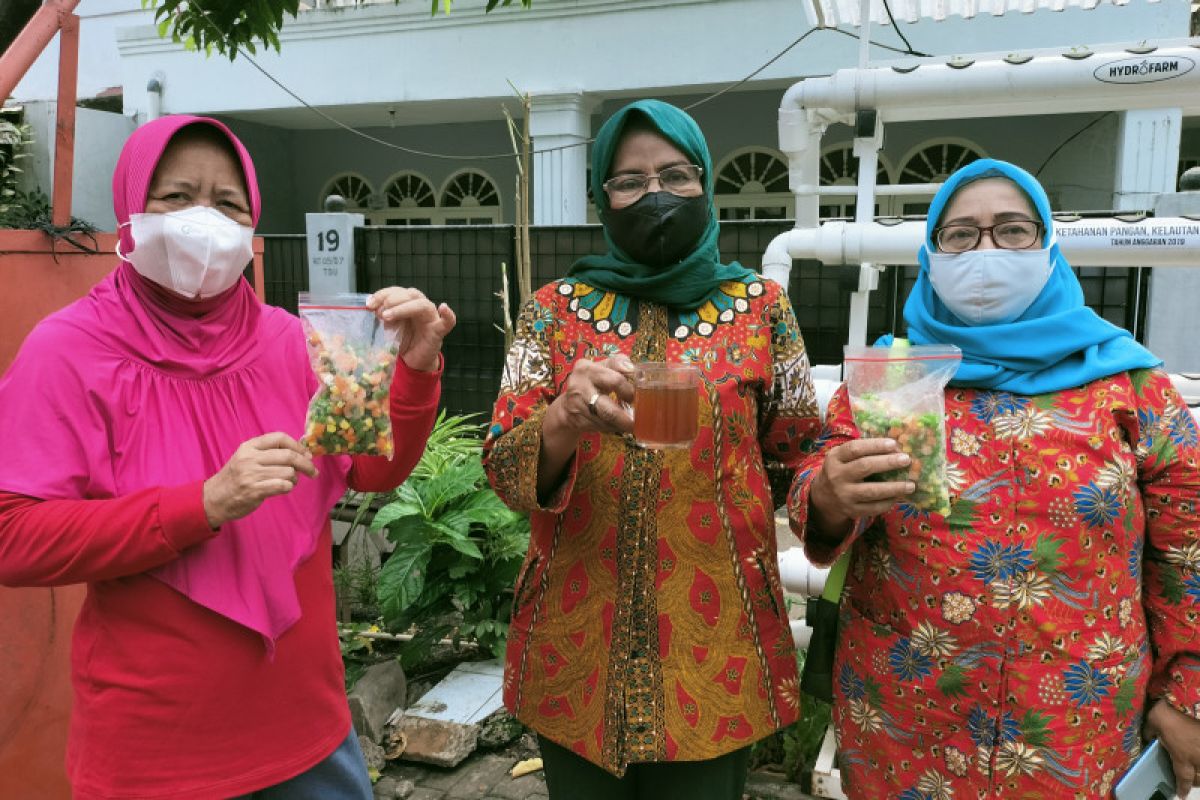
(932, 161)
(839, 167)
(469, 197)
(753, 184)
(353, 187)
(409, 199)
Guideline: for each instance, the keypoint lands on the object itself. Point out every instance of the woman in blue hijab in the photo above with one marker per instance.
(1022, 645)
(1015, 308)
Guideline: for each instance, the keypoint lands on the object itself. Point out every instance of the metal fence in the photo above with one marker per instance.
(461, 266)
(285, 269)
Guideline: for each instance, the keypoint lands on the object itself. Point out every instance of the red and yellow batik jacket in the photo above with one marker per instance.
(649, 622)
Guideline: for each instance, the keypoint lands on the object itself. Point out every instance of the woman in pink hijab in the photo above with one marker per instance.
(149, 452)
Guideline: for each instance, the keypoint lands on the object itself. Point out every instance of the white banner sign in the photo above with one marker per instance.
(1179, 236)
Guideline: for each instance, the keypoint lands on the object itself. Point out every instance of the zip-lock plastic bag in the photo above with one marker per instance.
(898, 393)
(354, 358)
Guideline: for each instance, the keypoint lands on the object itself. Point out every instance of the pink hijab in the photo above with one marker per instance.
(133, 387)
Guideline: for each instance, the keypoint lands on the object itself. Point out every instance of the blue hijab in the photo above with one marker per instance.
(1058, 343)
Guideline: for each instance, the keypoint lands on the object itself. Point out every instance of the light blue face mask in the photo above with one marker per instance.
(989, 287)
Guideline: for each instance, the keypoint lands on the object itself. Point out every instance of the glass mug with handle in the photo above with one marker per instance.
(666, 404)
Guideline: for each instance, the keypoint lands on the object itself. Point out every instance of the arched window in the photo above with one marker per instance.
(839, 167)
(355, 188)
(753, 184)
(470, 198)
(932, 162)
(935, 161)
(410, 200)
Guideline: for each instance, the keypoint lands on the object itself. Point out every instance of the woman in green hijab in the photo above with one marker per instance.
(649, 645)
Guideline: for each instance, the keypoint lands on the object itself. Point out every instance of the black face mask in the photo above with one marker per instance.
(660, 228)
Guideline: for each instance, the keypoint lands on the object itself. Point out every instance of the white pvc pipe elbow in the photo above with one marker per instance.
(801, 634)
(799, 575)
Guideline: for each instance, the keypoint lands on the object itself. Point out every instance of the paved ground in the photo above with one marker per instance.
(486, 777)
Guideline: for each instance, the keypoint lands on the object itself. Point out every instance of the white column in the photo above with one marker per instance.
(866, 150)
(1147, 163)
(560, 124)
(1147, 156)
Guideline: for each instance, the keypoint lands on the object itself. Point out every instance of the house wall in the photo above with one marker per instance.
(398, 54)
(445, 78)
(1080, 176)
(273, 152)
(99, 136)
(99, 61)
(321, 155)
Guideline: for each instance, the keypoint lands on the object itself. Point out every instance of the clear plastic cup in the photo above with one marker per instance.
(666, 404)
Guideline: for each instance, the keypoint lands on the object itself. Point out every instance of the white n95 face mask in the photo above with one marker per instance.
(196, 252)
(989, 287)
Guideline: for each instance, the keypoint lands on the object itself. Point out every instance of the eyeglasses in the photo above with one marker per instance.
(1015, 234)
(676, 180)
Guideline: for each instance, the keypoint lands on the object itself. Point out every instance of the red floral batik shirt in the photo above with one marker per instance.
(1011, 649)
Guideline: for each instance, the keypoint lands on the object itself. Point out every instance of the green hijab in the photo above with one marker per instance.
(684, 285)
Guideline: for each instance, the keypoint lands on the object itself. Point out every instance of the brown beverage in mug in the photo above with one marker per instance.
(666, 404)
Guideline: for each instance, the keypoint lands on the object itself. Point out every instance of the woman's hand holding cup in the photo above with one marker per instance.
(592, 399)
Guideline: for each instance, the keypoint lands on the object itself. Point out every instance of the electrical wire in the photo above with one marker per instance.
(880, 45)
(363, 134)
(494, 156)
(900, 33)
(775, 58)
(1067, 141)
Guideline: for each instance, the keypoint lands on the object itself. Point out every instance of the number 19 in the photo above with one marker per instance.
(328, 240)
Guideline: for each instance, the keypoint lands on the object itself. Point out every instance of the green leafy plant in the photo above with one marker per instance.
(20, 209)
(14, 142)
(357, 650)
(355, 585)
(32, 211)
(452, 439)
(794, 749)
(457, 548)
(24, 210)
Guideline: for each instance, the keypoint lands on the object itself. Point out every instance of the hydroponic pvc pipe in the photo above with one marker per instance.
(1041, 82)
(1101, 242)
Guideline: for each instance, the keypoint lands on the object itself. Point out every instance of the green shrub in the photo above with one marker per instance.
(794, 749)
(28, 210)
(15, 206)
(458, 548)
